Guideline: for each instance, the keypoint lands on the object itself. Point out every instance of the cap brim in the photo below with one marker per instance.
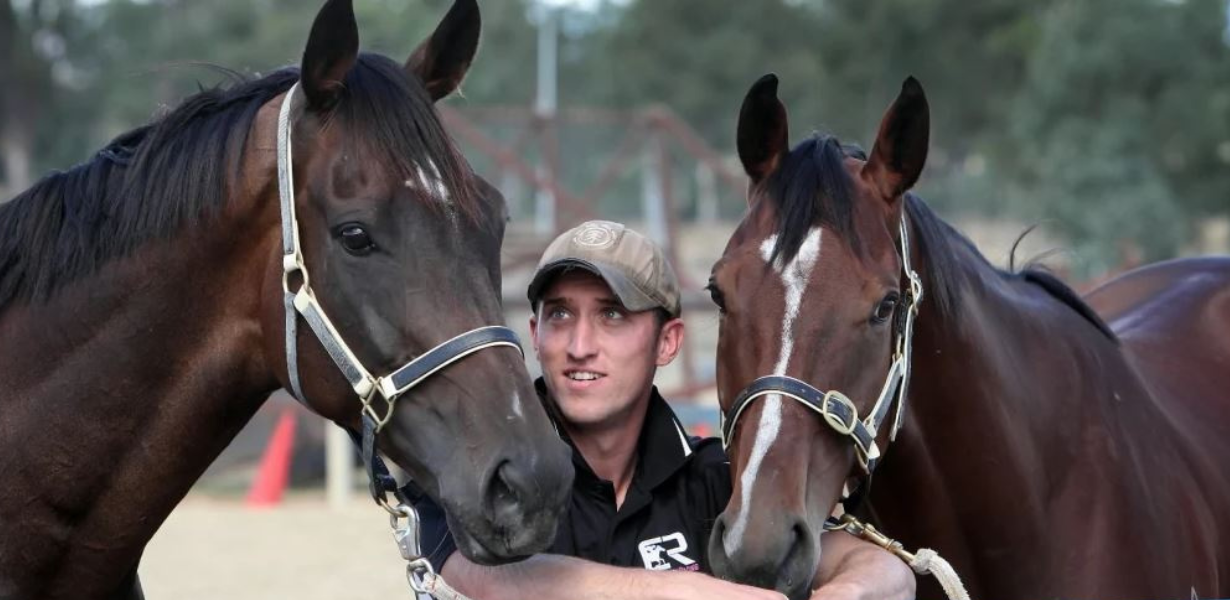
(629, 295)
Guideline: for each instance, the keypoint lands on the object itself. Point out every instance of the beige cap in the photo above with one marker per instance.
(634, 266)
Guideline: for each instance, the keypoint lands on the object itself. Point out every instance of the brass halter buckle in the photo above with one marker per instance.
(842, 427)
(866, 531)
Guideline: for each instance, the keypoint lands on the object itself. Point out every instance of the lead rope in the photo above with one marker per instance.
(924, 562)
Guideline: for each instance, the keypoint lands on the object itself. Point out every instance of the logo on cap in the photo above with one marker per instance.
(594, 235)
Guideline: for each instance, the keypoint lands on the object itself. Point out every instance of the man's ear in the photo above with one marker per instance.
(670, 341)
(534, 330)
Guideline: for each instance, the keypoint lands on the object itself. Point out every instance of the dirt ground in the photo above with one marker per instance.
(212, 549)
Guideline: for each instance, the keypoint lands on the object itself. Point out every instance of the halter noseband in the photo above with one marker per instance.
(303, 302)
(838, 411)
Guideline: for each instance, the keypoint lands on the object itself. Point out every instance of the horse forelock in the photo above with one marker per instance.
(391, 116)
(811, 187)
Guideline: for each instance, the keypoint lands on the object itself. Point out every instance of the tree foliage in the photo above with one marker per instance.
(1109, 118)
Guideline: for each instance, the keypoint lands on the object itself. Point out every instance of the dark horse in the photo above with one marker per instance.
(142, 314)
(1052, 447)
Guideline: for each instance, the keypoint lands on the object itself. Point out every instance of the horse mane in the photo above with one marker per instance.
(818, 164)
(936, 245)
(174, 172)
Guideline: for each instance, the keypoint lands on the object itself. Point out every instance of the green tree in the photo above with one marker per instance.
(124, 61)
(1118, 125)
(699, 60)
(32, 48)
(1111, 117)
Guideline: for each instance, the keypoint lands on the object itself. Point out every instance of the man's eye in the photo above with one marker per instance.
(613, 314)
(556, 314)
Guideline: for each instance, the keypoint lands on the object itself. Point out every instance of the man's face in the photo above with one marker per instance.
(598, 359)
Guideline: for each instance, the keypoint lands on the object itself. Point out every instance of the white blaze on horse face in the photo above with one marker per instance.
(433, 183)
(516, 405)
(794, 278)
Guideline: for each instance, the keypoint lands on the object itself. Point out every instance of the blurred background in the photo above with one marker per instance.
(1104, 124)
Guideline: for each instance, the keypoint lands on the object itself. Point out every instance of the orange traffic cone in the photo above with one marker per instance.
(274, 471)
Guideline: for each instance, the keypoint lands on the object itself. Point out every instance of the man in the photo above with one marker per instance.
(606, 316)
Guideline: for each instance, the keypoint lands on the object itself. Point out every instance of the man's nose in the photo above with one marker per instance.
(581, 344)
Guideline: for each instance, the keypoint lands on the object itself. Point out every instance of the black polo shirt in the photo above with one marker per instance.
(680, 486)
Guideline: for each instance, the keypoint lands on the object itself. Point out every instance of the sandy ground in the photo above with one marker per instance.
(302, 549)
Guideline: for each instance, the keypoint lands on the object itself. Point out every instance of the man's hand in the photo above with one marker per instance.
(840, 591)
(852, 569)
(547, 577)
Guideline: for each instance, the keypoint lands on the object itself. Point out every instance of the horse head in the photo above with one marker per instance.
(814, 295)
(390, 252)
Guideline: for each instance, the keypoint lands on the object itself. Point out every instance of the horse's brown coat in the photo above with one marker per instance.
(1043, 457)
(122, 381)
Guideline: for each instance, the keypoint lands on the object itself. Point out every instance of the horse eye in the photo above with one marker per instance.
(885, 309)
(356, 240)
(716, 295)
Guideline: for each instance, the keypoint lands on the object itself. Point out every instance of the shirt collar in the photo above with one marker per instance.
(663, 447)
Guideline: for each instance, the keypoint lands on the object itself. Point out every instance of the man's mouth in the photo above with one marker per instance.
(583, 375)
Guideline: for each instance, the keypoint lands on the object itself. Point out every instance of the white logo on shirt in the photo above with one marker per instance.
(656, 551)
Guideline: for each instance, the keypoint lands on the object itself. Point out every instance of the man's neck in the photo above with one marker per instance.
(612, 451)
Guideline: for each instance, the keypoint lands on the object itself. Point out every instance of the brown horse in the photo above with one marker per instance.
(144, 298)
(1052, 448)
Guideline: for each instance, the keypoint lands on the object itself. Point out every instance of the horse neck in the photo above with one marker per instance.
(994, 413)
(122, 388)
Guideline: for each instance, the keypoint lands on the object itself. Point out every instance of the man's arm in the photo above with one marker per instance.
(550, 577)
(852, 569)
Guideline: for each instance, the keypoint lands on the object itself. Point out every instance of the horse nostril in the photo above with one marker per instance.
(502, 494)
(720, 531)
(798, 565)
(718, 559)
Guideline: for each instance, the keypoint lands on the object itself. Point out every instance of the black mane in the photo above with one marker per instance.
(157, 179)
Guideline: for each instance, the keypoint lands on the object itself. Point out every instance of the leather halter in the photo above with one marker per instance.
(836, 408)
(303, 302)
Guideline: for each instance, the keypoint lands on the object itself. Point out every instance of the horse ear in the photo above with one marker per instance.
(900, 149)
(442, 60)
(332, 48)
(763, 137)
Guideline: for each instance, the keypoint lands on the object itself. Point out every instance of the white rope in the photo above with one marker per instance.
(927, 561)
(437, 588)
(924, 562)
